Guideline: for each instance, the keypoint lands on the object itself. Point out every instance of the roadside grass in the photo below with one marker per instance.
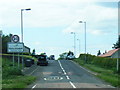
(108, 75)
(12, 77)
(17, 81)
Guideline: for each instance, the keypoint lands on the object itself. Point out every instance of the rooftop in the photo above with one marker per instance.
(109, 53)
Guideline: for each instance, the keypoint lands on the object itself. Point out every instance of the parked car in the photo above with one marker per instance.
(42, 60)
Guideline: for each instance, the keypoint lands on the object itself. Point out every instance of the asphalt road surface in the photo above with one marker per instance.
(64, 74)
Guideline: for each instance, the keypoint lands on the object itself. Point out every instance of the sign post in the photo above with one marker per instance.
(13, 61)
(15, 47)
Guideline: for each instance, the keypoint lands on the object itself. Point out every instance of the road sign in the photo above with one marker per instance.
(15, 38)
(15, 47)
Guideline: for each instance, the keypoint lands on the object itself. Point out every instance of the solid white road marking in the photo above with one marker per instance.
(34, 86)
(84, 68)
(72, 84)
(66, 75)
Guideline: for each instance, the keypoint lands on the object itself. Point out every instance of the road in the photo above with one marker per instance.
(64, 74)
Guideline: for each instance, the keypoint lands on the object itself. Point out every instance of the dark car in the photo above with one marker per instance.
(42, 60)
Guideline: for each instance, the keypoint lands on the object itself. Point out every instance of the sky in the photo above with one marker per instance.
(48, 25)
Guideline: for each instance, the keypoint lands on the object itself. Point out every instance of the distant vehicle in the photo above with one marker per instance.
(42, 60)
(70, 56)
(52, 57)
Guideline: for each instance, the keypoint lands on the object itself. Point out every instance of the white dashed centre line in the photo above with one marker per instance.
(67, 77)
(66, 74)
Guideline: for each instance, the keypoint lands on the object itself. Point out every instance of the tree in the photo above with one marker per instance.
(33, 53)
(5, 40)
(105, 51)
(117, 45)
(63, 55)
(99, 53)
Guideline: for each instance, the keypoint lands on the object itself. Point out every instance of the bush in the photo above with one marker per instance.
(104, 62)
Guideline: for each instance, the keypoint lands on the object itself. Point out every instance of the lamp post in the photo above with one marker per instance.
(22, 22)
(22, 30)
(85, 38)
(79, 45)
(74, 42)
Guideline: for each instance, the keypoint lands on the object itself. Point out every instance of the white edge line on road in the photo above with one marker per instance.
(34, 86)
(84, 68)
(72, 84)
(33, 71)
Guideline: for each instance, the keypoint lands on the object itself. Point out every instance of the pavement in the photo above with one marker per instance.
(64, 74)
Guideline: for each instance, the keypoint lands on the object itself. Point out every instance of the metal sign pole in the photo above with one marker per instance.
(22, 61)
(13, 61)
(18, 61)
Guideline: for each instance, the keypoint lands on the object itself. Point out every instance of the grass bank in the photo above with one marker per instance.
(108, 75)
(17, 81)
(12, 77)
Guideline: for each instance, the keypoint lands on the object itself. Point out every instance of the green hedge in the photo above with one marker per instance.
(104, 62)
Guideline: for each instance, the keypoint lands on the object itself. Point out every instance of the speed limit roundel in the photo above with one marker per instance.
(15, 38)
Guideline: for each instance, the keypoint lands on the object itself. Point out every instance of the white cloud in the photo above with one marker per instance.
(96, 17)
(45, 13)
(37, 43)
(97, 32)
(68, 30)
(59, 13)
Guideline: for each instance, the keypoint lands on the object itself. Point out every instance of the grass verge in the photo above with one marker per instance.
(12, 77)
(108, 75)
(17, 81)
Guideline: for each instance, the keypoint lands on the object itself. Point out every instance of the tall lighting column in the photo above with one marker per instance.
(22, 22)
(22, 29)
(85, 38)
(74, 42)
(79, 45)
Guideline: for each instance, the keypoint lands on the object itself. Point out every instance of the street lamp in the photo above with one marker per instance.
(22, 22)
(22, 30)
(74, 42)
(85, 37)
(79, 45)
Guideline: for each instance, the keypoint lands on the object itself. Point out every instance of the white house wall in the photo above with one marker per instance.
(116, 54)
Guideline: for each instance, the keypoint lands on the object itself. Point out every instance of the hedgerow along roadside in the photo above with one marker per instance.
(104, 67)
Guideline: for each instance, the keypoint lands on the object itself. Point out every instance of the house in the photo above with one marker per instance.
(26, 49)
(115, 53)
